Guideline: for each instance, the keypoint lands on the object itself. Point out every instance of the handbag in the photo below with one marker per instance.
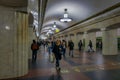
(52, 58)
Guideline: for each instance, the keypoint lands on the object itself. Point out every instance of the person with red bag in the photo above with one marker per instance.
(34, 48)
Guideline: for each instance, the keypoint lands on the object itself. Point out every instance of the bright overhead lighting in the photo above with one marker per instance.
(54, 26)
(65, 17)
(34, 13)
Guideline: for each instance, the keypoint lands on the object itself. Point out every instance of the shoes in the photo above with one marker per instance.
(58, 68)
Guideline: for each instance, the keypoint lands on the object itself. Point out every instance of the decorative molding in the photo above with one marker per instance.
(79, 33)
(71, 34)
(93, 30)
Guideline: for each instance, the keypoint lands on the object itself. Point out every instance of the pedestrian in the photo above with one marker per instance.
(71, 47)
(57, 52)
(34, 48)
(90, 46)
(64, 45)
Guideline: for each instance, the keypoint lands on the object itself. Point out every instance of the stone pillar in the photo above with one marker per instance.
(75, 41)
(65, 37)
(85, 36)
(21, 45)
(14, 46)
(68, 38)
(92, 37)
(109, 40)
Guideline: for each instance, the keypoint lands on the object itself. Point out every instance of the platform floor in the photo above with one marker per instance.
(83, 66)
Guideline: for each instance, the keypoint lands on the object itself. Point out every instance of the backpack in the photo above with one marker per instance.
(35, 47)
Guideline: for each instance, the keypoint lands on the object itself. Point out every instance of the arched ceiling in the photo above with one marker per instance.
(78, 10)
(14, 3)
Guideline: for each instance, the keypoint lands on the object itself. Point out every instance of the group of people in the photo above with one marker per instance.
(58, 48)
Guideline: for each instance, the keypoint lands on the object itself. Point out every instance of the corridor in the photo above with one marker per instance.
(84, 66)
(90, 25)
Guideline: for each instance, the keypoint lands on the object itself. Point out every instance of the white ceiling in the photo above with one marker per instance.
(78, 10)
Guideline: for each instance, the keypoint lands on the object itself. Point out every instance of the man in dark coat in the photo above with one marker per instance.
(71, 47)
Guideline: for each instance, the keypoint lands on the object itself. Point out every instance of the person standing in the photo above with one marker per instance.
(64, 48)
(34, 48)
(71, 47)
(80, 45)
(49, 47)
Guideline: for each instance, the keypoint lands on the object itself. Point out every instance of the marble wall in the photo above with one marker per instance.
(14, 43)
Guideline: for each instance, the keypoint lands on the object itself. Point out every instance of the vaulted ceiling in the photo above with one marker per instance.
(78, 10)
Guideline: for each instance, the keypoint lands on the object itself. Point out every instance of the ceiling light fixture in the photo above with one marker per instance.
(54, 26)
(65, 17)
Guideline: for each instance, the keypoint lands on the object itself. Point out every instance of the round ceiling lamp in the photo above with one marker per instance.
(65, 17)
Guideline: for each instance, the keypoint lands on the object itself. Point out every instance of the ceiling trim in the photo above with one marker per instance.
(42, 12)
(98, 14)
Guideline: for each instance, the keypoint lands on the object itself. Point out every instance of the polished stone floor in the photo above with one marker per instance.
(83, 66)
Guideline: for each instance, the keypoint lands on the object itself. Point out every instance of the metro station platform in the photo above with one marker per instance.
(83, 66)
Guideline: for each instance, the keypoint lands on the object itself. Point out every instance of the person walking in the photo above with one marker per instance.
(34, 48)
(64, 45)
(90, 46)
(57, 52)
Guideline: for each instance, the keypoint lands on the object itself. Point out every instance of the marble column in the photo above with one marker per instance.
(85, 36)
(109, 40)
(14, 46)
(21, 42)
(75, 41)
(68, 37)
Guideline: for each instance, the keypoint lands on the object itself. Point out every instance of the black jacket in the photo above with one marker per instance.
(56, 50)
